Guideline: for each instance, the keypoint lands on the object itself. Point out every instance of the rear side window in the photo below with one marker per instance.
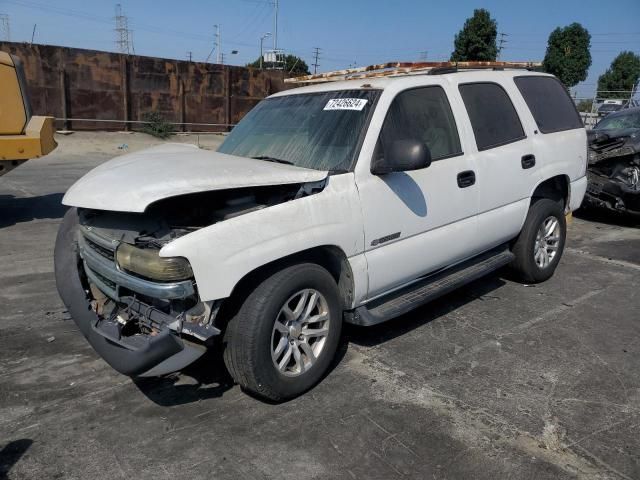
(422, 114)
(493, 117)
(550, 104)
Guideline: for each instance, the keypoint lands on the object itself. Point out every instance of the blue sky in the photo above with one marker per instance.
(347, 31)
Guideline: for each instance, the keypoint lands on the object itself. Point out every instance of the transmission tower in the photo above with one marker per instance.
(423, 55)
(316, 56)
(124, 38)
(218, 43)
(501, 43)
(5, 30)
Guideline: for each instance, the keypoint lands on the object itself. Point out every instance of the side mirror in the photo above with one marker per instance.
(402, 156)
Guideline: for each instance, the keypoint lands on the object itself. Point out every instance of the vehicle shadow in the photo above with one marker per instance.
(11, 454)
(24, 209)
(375, 335)
(607, 217)
(204, 379)
(208, 377)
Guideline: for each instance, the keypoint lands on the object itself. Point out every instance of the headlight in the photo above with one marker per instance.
(148, 263)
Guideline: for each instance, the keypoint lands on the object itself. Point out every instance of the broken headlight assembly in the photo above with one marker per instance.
(148, 263)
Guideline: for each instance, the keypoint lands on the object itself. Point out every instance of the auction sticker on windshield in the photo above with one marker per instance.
(346, 104)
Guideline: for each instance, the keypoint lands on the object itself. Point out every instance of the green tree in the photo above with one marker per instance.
(618, 81)
(477, 39)
(568, 56)
(294, 66)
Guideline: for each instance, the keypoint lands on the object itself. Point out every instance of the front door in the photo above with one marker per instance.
(418, 221)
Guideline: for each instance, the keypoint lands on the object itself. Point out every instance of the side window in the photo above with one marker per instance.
(493, 117)
(422, 114)
(549, 102)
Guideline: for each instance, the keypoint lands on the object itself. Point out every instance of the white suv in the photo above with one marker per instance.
(351, 201)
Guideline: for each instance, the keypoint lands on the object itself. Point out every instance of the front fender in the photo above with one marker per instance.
(222, 254)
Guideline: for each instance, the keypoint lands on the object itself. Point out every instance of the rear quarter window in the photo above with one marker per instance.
(549, 103)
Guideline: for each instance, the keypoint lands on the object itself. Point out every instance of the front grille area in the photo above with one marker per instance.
(104, 252)
(608, 145)
(98, 254)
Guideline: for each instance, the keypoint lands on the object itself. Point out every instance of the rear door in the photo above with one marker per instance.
(560, 140)
(507, 170)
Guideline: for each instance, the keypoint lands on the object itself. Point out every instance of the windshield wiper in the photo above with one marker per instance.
(273, 159)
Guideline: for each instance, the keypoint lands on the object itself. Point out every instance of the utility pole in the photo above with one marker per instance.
(33, 34)
(122, 31)
(268, 34)
(316, 54)
(275, 29)
(190, 55)
(501, 44)
(5, 29)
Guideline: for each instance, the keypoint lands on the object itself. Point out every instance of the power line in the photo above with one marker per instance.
(315, 64)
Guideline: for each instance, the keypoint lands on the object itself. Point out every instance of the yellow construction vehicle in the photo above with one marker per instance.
(22, 136)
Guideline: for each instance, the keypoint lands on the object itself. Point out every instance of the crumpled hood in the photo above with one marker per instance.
(134, 181)
(604, 135)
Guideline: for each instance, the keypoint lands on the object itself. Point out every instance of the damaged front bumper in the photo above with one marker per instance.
(138, 337)
(614, 170)
(604, 192)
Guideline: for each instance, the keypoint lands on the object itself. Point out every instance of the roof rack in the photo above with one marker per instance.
(408, 68)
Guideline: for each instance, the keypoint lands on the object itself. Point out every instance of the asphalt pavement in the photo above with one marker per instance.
(496, 380)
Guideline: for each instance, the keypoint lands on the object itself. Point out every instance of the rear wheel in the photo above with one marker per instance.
(540, 244)
(284, 336)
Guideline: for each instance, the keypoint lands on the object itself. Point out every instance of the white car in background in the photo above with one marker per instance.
(351, 201)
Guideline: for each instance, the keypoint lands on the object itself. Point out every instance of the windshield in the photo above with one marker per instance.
(619, 121)
(316, 130)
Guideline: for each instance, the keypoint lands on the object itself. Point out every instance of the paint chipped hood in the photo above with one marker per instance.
(134, 181)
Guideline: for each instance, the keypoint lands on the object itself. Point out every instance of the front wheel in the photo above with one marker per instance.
(285, 334)
(540, 244)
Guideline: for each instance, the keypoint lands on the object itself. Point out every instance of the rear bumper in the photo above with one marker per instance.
(136, 355)
(578, 189)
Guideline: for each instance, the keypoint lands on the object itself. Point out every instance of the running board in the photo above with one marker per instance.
(406, 299)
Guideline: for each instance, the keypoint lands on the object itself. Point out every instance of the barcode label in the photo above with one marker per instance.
(346, 104)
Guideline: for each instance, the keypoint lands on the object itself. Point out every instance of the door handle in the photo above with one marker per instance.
(528, 161)
(466, 178)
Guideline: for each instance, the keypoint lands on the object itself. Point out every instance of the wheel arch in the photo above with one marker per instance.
(556, 188)
(330, 257)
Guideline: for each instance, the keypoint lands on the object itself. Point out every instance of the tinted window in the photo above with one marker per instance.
(422, 114)
(493, 116)
(549, 102)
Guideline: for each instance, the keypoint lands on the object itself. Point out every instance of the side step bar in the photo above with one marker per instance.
(430, 288)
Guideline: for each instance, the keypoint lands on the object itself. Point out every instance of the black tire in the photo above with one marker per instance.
(524, 266)
(248, 337)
